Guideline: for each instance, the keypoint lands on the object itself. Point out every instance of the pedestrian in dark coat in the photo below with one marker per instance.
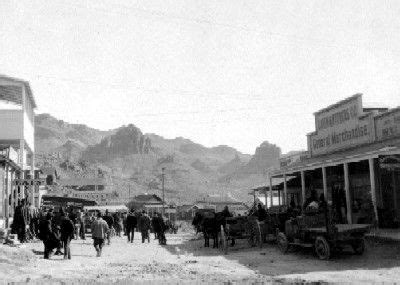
(110, 222)
(67, 233)
(47, 235)
(261, 213)
(56, 226)
(159, 228)
(154, 224)
(144, 225)
(19, 221)
(131, 223)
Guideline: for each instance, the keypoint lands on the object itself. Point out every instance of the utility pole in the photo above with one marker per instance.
(163, 190)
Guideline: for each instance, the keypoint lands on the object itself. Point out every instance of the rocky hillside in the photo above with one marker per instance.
(133, 160)
(52, 135)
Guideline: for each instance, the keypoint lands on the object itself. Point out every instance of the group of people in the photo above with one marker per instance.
(144, 224)
(25, 221)
(56, 229)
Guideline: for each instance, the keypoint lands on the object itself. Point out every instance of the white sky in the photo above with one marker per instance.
(218, 72)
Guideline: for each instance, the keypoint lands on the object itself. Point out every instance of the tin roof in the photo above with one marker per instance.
(333, 106)
(13, 93)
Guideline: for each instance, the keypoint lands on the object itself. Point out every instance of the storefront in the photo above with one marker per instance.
(8, 193)
(352, 161)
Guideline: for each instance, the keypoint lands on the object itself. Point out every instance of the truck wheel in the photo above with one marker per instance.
(283, 243)
(322, 248)
(358, 246)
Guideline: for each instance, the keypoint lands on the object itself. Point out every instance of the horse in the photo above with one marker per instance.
(209, 223)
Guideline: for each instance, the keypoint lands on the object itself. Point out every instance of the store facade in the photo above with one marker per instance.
(9, 170)
(353, 160)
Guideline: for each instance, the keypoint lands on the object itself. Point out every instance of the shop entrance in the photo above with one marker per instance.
(389, 174)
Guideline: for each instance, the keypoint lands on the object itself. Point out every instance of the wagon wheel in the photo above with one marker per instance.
(322, 248)
(223, 240)
(358, 246)
(251, 235)
(283, 243)
(254, 233)
(259, 238)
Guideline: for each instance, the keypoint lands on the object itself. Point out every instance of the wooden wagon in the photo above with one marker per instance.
(242, 227)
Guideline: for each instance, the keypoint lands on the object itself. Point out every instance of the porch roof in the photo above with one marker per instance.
(355, 154)
(11, 90)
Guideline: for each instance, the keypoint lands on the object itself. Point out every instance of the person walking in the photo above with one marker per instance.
(56, 228)
(155, 225)
(131, 223)
(124, 217)
(110, 222)
(20, 221)
(78, 223)
(34, 220)
(159, 227)
(100, 231)
(67, 233)
(81, 218)
(47, 236)
(144, 225)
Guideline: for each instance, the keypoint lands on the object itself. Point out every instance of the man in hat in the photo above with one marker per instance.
(100, 230)
(110, 222)
(131, 223)
(144, 225)
(67, 233)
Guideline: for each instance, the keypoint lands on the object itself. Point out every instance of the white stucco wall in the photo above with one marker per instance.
(29, 132)
(11, 124)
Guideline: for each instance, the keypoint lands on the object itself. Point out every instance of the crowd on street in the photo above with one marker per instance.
(56, 228)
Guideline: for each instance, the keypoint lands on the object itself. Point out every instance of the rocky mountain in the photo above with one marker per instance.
(52, 135)
(125, 141)
(132, 160)
(266, 156)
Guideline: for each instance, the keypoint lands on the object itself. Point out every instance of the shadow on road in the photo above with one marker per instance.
(270, 261)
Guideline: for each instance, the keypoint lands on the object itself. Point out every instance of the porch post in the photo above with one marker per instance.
(373, 186)
(32, 186)
(6, 197)
(284, 190)
(347, 190)
(265, 194)
(303, 188)
(325, 183)
(12, 191)
(270, 192)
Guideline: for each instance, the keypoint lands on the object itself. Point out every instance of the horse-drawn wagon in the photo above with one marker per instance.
(241, 227)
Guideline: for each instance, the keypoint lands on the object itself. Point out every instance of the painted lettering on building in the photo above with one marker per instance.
(388, 125)
(340, 126)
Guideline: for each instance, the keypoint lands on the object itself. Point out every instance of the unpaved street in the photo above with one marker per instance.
(184, 260)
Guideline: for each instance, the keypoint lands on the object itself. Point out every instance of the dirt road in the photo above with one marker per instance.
(185, 260)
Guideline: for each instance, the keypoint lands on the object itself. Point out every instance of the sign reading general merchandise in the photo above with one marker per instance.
(388, 125)
(340, 126)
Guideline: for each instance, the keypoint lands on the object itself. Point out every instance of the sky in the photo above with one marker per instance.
(227, 72)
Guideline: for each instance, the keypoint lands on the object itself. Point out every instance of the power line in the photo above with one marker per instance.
(166, 16)
(124, 86)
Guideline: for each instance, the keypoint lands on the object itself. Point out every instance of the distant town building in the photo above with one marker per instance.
(93, 189)
(151, 203)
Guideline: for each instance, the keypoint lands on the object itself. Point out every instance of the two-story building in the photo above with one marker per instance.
(17, 144)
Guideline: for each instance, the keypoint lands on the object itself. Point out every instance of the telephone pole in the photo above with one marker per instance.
(163, 190)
